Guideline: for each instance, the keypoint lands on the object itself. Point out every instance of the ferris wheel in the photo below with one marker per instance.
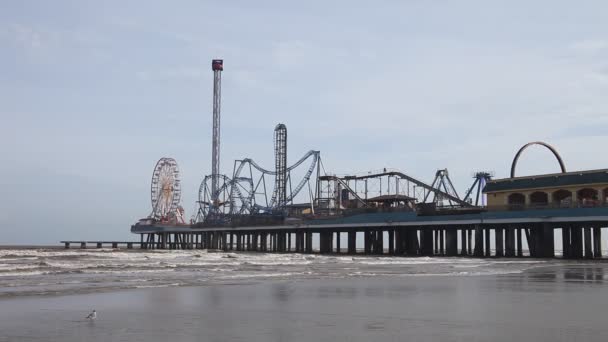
(166, 188)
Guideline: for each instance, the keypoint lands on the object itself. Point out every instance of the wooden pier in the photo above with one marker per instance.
(102, 244)
(496, 234)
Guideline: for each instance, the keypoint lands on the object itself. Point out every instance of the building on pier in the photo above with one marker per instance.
(559, 190)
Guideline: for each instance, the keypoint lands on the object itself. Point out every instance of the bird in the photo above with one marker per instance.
(92, 315)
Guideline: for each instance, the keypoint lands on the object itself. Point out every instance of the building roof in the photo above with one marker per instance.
(554, 180)
(390, 198)
(298, 205)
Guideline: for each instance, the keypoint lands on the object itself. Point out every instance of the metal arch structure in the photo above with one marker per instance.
(165, 190)
(541, 143)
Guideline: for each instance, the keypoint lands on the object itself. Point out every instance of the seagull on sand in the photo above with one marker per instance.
(92, 315)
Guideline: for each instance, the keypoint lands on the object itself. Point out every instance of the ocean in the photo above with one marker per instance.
(214, 296)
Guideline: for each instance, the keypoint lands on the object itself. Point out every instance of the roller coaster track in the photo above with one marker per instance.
(408, 178)
(345, 186)
(295, 191)
(269, 172)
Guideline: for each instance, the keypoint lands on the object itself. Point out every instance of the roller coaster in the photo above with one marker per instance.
(247, 192)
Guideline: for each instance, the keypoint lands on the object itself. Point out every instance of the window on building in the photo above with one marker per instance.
(562, 198)
(516, 200)
(539, 198)
(587, 197)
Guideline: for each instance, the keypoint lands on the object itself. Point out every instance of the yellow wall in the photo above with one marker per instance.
(501, 198)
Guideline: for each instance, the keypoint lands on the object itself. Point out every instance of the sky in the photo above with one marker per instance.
(93, 93)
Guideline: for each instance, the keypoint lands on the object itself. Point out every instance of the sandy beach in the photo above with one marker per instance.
(545, 303)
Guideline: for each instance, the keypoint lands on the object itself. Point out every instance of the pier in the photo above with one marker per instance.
(101, 244)
(531, 216)
(487, 234)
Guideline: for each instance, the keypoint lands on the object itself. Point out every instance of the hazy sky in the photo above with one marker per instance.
(92, 94)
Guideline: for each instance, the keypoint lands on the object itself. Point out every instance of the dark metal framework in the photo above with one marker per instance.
(338, 192)
(443, 183)
(246, 193)
(247, 170)
(481, 178)
(280, 157)
(217, 65)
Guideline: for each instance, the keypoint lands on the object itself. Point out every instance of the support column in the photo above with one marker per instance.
(548, 241)
(441, 241)
(298, 241)
(499, 241)
(338, 242)
(530, 239)
(510, 242)
(463, 241)
(470, 240)
(399, 248)
(324, 242)
(451, 237)
(566, 242)
(576, 247)
(597, 241)
(352, 242)
(520, 251)
(412, 245)
(427, 241)
(309, 242)
(379, 242)
(487, 242)
(478, 252)
(391, 241)
(367, 244)
(588, 244)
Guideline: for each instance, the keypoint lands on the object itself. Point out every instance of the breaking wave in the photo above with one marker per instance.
(57, 271)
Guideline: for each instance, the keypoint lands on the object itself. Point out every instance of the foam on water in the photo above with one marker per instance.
(29, 271)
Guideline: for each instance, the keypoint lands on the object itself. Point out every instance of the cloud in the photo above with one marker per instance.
(590, 46)
(26, 36)
(169, 74)
(292, 54)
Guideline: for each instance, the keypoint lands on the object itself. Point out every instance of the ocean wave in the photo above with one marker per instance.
(70, 271)
(156, 285)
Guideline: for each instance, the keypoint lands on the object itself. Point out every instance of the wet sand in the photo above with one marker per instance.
(565, 303)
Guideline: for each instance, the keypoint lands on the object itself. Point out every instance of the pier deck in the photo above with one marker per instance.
(485, 234)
